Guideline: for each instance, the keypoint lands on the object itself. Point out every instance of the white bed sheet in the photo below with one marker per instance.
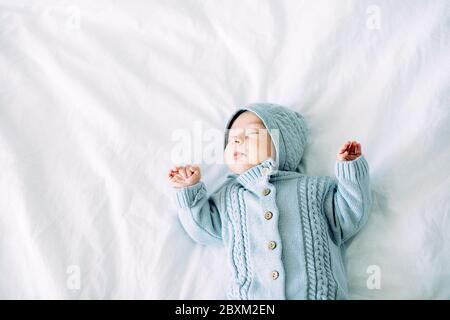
(92, 91)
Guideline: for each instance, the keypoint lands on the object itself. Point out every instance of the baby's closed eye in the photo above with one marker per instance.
(252, 132)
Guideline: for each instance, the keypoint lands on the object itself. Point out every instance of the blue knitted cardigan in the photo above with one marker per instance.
(284, 231)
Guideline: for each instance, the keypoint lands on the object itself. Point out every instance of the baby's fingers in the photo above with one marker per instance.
(173, 170)
(196, 170)
(358, 148)
(351, 148)
(182, 172)
(344, 147)
(190, 170)
(354, 148)
(171, 173)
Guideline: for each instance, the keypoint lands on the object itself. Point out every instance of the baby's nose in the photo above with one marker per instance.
(237, 140)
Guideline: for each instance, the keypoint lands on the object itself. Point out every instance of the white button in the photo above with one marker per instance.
(268, 215)
(272, 245)
(266, 191)
(275, 274)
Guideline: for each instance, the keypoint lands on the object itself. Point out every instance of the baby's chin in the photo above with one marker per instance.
(239, 168)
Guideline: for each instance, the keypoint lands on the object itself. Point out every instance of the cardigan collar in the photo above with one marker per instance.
(256, 175)
(261, 174)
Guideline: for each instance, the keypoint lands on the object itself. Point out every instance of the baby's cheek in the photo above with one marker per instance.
(228, 155)
(259, 150)
(252, 152)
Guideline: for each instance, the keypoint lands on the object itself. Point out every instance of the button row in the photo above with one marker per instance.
(268, 215)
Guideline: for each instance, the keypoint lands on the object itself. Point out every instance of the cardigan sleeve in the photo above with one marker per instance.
(199, 214)
(348, 200)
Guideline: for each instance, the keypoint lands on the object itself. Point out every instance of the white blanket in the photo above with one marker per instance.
(91, 93)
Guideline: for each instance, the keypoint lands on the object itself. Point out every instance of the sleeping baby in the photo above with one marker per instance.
(284, 231)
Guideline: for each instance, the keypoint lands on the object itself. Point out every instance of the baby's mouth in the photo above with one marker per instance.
(237, 154)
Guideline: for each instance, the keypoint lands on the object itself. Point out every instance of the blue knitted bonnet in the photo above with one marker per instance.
(292, 129)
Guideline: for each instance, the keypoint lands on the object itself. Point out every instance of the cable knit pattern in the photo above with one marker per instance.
(283, 230)
(321, 284)
(294, 150)
(239, 239)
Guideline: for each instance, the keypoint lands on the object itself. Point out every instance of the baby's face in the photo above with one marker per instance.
(249, 143)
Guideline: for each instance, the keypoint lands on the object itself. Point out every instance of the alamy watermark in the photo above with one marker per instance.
(374, 280)
(373, 20)
(201, 145)
(73, 21)
(73, 281)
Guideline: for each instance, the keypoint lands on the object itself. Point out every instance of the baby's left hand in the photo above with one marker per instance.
(349, 151)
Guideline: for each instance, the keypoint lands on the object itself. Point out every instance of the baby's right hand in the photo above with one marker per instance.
(180, 177)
